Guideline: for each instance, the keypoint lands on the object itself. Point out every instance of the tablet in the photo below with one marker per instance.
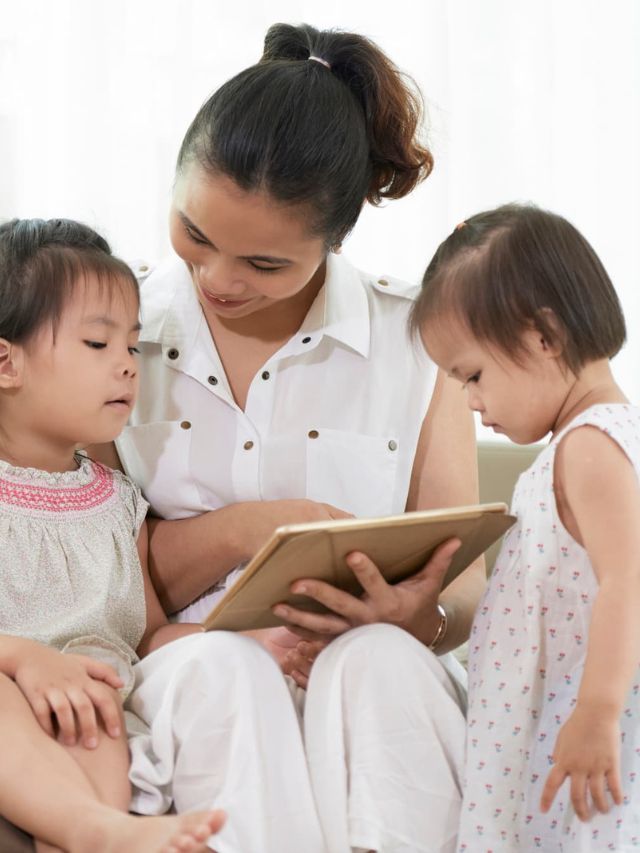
(399, 545)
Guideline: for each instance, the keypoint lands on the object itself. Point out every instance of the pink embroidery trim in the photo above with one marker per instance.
(62, 499)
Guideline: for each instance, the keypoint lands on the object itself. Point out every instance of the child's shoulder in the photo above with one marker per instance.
(601, 424)
(600, 438)
(131, 499)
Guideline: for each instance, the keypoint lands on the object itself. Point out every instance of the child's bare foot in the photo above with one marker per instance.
(120, 833)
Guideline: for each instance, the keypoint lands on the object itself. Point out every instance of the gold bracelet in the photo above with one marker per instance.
(442, 629)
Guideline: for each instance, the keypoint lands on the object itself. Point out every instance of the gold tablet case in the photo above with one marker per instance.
(399, 545)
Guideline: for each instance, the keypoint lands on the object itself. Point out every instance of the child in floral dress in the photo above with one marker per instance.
(518, 307)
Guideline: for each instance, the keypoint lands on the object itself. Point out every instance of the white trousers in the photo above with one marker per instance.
(212, 723)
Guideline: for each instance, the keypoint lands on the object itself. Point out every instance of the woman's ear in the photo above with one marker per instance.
(11, 365)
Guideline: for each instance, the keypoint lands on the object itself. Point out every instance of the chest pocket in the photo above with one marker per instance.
(356, 473)
(157, 457)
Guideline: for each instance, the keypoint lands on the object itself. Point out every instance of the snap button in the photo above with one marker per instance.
(143, 267)
(212, 380)
(383, 282)
(313, 433)
(185, 424)
(306, 340)
(393, 445)
(248, 445)
(265, 374)
(173, 353)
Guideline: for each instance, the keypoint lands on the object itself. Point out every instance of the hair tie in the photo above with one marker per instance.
(321, 61)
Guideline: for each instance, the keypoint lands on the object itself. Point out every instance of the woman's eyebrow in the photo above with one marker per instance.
(186, 221)
(267, 259)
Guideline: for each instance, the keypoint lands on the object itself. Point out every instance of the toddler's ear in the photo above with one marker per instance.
(11, 365)
(551, 335)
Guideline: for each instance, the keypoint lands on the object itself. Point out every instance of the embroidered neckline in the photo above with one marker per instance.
(32, 490)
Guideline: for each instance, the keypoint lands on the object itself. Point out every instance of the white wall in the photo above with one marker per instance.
(528, 99)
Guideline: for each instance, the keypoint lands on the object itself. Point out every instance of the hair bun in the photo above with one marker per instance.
(284, 41)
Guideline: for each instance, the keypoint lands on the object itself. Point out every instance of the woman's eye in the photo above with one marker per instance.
(95, 344)
(264, 269)
(193, 235)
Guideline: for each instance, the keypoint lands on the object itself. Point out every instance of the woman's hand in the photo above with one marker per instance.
(294, 656)
(70, 689)
(410, 604)
(588, 751)
(260, 518)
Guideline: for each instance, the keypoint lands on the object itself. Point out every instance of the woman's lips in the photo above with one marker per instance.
(223, 301)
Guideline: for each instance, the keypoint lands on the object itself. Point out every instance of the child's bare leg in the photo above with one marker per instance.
(106, 768)
(54, 800)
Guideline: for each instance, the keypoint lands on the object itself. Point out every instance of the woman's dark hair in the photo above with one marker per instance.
(330, 137)
(503, 270)
(41, 261)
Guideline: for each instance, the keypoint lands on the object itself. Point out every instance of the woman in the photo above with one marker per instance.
(277, 386)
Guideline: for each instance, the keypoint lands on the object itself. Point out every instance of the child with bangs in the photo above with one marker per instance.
(517, 306)
(77, 606)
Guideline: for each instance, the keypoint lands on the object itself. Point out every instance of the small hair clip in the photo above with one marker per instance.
(460, 225)
(321, 61)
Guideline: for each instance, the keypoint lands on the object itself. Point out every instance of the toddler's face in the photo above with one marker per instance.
(81, 380)
(518, 399)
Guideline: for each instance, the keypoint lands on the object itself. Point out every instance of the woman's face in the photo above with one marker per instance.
(245, 251)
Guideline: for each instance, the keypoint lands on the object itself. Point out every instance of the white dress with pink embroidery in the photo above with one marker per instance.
(69, 569)
(527, 653)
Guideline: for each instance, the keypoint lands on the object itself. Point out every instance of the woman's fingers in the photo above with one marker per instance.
(368, 574)
(334, 599)
(436, 568)
(317, 624)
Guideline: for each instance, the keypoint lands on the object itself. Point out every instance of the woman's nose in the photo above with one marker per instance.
(218, 278)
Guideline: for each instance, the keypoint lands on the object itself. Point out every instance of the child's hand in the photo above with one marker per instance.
(70, 688)
(587, 750)
(294, 656)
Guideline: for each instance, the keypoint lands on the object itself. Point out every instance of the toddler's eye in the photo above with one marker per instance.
(95, 344)
(474, 378)
(133, 350)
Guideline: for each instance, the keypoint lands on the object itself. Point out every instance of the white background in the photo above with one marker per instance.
(527, 100)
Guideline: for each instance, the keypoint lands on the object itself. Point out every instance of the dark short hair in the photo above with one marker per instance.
(330, 138)
(41, 261)
(505, 269)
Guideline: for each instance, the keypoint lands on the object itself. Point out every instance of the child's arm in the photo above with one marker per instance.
(158, 629)
(598, 497)
(69, 688)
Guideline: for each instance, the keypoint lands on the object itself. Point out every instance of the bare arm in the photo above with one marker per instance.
(188, 556)
(445, 473)
(598, 498)
(158, 630)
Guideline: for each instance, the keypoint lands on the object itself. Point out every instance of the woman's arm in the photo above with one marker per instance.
(445, 474)
(188, 556)
(158, 629)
